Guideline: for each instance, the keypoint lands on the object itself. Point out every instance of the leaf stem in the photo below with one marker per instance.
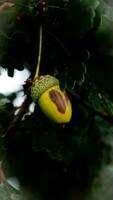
(39, 55)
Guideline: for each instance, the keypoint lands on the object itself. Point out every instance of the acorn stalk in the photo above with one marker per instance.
(46, 92)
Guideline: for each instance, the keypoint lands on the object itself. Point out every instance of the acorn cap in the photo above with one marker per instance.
(42, 84)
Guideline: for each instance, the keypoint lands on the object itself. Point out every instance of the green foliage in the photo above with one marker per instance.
(4, 195)
(78, 50)
(7, 192)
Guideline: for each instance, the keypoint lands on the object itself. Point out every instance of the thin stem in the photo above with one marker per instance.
(59, 41)
(39, 55)
(57, 7)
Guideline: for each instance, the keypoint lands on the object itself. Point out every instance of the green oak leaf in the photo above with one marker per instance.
(100, 102)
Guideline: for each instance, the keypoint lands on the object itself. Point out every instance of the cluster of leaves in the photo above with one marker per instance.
(78, 49)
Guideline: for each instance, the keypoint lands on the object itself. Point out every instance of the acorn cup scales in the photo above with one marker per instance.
(54, 103)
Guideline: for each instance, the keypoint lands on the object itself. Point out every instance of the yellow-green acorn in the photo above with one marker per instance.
(54, 103)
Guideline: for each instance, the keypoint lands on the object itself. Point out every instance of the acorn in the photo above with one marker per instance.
(54, 103)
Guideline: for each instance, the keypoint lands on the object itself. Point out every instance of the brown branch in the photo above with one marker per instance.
(105, 116)
(23, 109)
(6, 5)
